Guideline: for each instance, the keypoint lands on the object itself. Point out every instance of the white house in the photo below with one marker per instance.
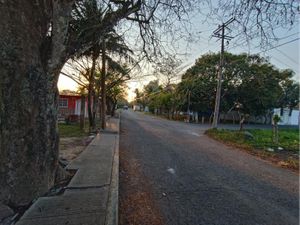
(287, 118)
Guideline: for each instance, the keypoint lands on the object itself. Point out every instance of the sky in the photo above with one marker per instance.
(285, 56)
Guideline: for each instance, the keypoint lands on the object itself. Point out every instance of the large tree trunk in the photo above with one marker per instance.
(93, 86)
(95, 107)
(89, 106)
(108, 104)
(113, 108)
(29, 135)
(82, 112)
(91, 97)
(30, 61)
(103, 87)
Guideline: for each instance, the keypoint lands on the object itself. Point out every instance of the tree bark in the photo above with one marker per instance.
(94, 87)
(82, 112)
(92, 99)
(113, 108)
(103, 87)
(95, 107)
(92, 104)
(32, 55)
(89, 106)
(108, 104)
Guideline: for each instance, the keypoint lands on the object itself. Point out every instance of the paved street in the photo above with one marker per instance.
(196, 180)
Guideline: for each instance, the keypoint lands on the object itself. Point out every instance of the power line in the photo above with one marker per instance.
(278, 60)
(285, 37)
(288, 42)
(275, 47)
(245, 40)
(290, 58)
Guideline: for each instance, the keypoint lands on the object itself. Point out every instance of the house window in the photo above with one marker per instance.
(63, 103)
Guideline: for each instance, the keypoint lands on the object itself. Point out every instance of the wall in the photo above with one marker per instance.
(286, 119)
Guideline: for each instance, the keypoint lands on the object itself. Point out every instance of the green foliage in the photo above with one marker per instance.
(251, 85)
(251, 81)
(290, 92)
(149, 95)
(158, 99)
(276, 119)
(201, 89)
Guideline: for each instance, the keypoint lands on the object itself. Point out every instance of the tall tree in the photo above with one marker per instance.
(33, 52)
(249, 80)
(167, 69)
(289, 97)
(34, 48)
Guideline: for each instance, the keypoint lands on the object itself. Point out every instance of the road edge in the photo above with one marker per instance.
(112, 210)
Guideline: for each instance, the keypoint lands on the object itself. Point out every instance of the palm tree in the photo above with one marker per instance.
(87, 17)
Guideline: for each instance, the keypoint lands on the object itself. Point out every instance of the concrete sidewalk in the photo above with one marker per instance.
(91, 197)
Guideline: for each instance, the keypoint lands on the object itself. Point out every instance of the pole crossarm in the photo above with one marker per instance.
(226, 37)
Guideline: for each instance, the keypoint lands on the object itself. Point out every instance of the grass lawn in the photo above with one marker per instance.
(262, 140)
(70, 130)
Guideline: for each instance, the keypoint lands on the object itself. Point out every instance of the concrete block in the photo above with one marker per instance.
(74, 207)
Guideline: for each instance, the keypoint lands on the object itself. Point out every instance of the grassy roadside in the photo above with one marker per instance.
(260, 144)
(70, 130)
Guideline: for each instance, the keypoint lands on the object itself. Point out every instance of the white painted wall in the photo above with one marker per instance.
(294, 119)
(78, 107)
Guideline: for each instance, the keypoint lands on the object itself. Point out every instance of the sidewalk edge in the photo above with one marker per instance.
(112, 214)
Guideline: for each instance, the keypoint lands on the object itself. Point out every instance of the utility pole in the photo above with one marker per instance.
(220, 33)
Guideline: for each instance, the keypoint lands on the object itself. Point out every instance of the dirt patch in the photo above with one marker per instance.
(137, 205)
(71, 147)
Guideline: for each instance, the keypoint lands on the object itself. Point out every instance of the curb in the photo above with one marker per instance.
(112, 214)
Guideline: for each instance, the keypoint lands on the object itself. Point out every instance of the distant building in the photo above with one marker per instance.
(136, 107)
(70, 105)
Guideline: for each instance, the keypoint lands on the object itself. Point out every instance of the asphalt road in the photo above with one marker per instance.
(196, 180)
